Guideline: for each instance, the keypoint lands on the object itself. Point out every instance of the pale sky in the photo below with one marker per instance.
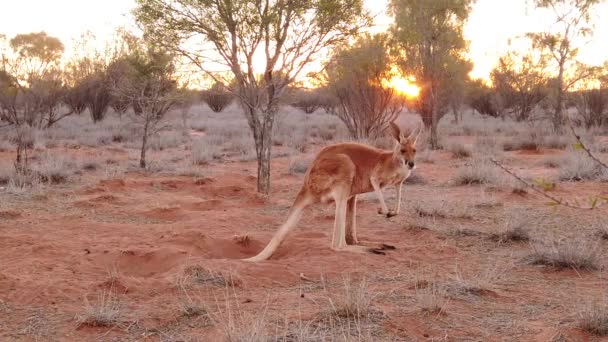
(492, 23)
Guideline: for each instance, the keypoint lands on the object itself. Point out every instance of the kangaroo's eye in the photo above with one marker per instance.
(402, 151)
(414, 150)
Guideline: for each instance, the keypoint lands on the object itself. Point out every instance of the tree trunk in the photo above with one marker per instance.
(264, 166)
(263, 142)
(558, 118)
(144, 147)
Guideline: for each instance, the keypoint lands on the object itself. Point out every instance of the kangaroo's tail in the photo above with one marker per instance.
(295, 213)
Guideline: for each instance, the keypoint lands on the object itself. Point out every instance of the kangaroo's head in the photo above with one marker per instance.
(405, 148)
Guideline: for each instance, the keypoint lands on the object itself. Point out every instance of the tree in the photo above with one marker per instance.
(356, 78)
(149, 85)
(591, 100)
(562, 43)
(217, 97)
(430, 44)
(32, 72)
(284, 36)
(482, 98)
(521, 82)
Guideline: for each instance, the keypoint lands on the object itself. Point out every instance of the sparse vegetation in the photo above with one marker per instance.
(478, 172)
(460, 150)
(205, 276)
(593, 318)
(354, 302)
(298, 165)
(576, 166)
(103, 312)
(576, 254)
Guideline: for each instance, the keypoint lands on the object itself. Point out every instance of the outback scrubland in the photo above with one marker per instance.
(97, 248)
(129, 196)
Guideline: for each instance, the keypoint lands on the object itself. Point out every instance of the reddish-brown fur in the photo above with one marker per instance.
(339, 173)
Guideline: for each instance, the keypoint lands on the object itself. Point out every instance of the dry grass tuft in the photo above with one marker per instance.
(432, 298)
(204, 276)
(593, 318)
(299, 165)
(460, 150)
(430, 211)
(511, 232)
(478, 172)
(576, 166)
(577, 254)
(105, 312)
(354, 302)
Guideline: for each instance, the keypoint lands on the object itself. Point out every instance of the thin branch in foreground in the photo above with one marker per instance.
(595, 202)
(586, 149)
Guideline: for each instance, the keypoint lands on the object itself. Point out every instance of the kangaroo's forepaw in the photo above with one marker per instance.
(382, 212)
(391, 214)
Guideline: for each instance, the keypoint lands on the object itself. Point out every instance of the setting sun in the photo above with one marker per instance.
(404, 86)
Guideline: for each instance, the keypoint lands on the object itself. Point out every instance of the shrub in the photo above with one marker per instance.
(593, 318)
(103, 313)
(55, 169)
(460, 150)
(217, 97)
(298, 165)
(202, 152)
(479, 172)
(354, 302)
(578, 254)
(577, 166)
(310, 100)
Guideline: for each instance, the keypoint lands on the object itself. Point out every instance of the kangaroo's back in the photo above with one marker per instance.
(361, 158)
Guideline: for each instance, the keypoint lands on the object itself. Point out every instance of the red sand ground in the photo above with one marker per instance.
(135, 235)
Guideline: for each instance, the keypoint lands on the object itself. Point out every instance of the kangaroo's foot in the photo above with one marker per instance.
(376, 245)
(388, 213)
(380, 249)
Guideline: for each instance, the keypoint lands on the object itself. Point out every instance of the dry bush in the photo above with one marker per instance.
(478, 172)
(241, 326)
(553, 162)
(432, 298)
(576, 166)
(460, 150)
(511, 234)
(299, 165)
(578, 254)
(55, 169)
(425, 210)
(534, 140)
(205, 276)
(7, 171)
(593, 318)
(190, 306)
(105, 312)
(202, 152)
(309, 100)
(217, 97)
(90, 165)
(514, 230)
(354, 302)
(477, 284)
(23, 182)
(487, 145)
(530, 141)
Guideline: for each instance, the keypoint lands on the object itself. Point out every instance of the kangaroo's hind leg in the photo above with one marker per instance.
(351, 221)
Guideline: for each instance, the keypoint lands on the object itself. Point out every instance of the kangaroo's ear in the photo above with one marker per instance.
(395, 131)
(417, 134)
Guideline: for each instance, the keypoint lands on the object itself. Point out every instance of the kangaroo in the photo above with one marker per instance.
(339, 173)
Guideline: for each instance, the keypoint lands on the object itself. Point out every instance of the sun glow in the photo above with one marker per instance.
(404, 86)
